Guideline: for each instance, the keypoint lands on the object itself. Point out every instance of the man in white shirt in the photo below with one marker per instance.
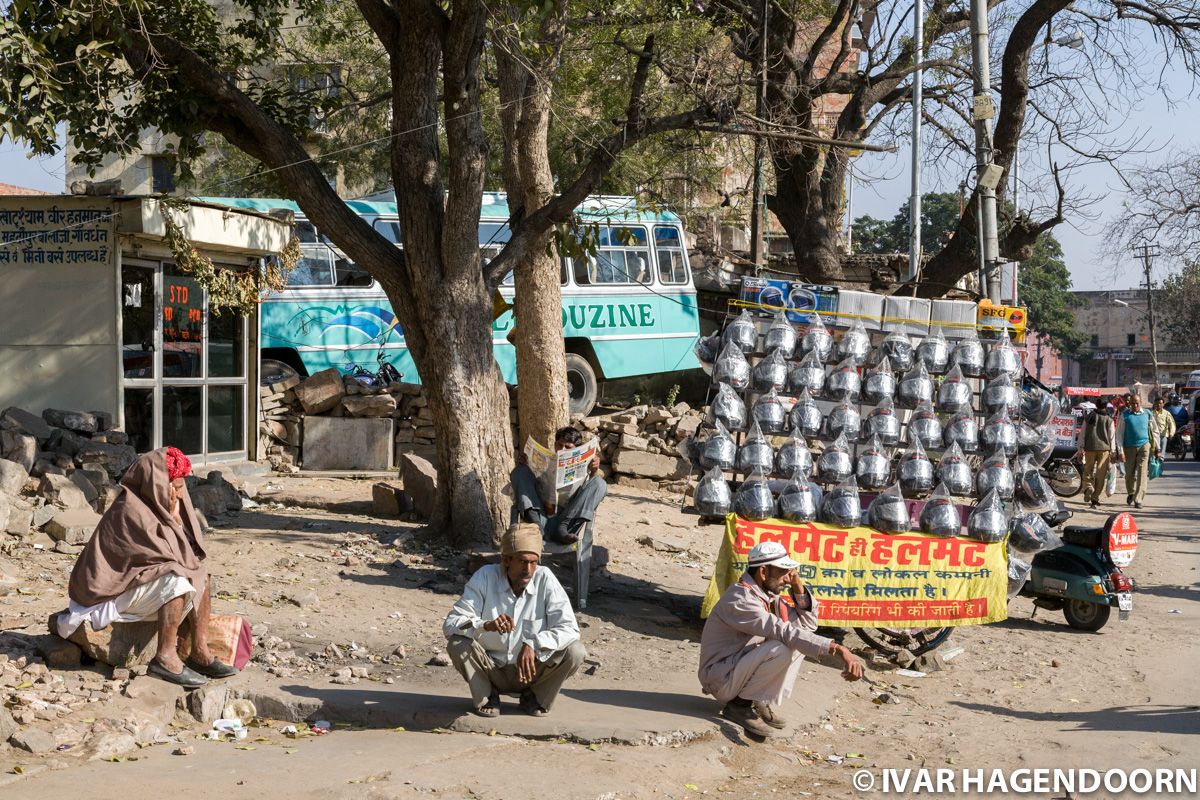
(513, 631)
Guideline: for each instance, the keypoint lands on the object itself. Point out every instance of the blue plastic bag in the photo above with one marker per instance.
(1155, 467)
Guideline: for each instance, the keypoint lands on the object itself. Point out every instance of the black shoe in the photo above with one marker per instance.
(1093, 504)
(187, 678)
(214, 669)
(530, 705)
(1137, 505)
(1128, 499)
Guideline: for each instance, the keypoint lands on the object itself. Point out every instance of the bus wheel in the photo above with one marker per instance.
(581, 385)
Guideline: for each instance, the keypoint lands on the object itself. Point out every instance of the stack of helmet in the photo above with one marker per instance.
(755, 453)
(719, 450)
(841, 505)
(794, 458)
(879, 383)
(754, 500)
(741, 333)
(805, 416)
(882, 422)
(933, 352)
(781, 336)
(770, 373)
(940, 516)
(843, 383)
(835, 464)
(713, 497)
(732, 367)
(800, 500)
(727, 408)
(888, 513)
(915, 471)
(855, 343)
(807, 376)
(874, 467)
(924, 426)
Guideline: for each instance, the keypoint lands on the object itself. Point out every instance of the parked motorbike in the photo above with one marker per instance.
(1062, 472)
(1085, 578)
(1180, 444)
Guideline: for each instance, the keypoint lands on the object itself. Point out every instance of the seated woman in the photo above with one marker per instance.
(145, 562)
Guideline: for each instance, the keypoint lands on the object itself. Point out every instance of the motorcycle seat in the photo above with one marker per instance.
(1084, 535)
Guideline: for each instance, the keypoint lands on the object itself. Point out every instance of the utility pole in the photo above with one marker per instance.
(1146, 252)
(987, 173)
(914, 203)
(758, 218)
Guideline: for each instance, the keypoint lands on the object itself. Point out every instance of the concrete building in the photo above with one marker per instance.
(96, 316)
(1118, 346)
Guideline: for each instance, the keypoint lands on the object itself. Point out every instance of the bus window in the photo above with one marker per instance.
(390, 229)
(306, 232)
(668, 249)
(622, 257)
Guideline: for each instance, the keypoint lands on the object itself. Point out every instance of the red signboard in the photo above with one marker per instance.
(1122, 539)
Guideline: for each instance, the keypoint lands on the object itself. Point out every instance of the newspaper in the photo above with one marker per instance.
(559, 474)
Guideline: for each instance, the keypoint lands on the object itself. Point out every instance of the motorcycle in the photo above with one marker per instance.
(1085, 578)
(1181, 443)
(1062, 472)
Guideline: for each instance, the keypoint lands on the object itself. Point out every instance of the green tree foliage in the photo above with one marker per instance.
(1043, 283)
(1179, 306)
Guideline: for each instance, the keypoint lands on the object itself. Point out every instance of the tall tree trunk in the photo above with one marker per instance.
(525, 95)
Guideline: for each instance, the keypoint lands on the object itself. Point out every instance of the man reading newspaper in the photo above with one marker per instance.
(559, 491)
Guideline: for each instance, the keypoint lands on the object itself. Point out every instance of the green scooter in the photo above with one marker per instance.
(1085, 578)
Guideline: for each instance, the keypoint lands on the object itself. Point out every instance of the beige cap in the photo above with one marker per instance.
(524, 537)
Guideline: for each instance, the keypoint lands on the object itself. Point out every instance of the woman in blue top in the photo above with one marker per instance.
(1133, 431)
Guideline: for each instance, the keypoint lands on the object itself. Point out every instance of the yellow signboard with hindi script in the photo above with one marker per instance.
(866, 579)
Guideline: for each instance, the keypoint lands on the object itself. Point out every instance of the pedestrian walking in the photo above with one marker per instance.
(1135, 432)
(1162, 422)
(1097, 441)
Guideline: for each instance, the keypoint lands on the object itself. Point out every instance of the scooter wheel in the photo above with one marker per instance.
(1085, 616)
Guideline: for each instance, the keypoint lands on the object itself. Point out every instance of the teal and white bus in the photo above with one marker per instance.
(629, 309)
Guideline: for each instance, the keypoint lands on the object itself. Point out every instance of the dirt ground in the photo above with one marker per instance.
(332, 587)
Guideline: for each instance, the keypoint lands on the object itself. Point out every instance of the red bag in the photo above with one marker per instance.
(229, 639)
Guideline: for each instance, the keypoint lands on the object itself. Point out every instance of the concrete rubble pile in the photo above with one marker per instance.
(328, 393)
(59, 472)
(641, 445)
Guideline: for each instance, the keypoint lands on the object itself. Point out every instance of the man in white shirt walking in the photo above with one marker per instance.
(513, 631)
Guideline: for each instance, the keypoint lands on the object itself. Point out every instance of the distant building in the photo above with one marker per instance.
(8, 190)
(1118, 346)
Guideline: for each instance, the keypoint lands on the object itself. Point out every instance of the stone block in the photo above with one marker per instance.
(33, 740)
(214, 501)
(97, 476)
(104, 420)
(378, 405)
(18, 419)
(122, 644)
(19, 447)
(649, 465)
(688, 426)
(113, 458)
(62, 492)
(84, 485)
(420, 482)
(43, 514)
(6, 507)
(74, 526)
(67, 443)
(57, 651)
(631, 442)
(321, 392)
(8, 725)
(81, 421)
(389, 501)
(656, 415)
(12, 477)
(107, 497)
(333, 443)
(111, 437)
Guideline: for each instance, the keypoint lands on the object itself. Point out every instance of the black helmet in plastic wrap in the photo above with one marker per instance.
(843, 382)
(805, 416)
(934, 352)
(718, 450)
(808, 374)
(835, 463)
(728, 408)
(1018, 573)
(940, 515)
(873, 467)
(954, 394)
(1033, 488)
(1037, 406)
(1036, 443)
(915, 387)
(963, 429)
(855, 343)
(753, 499)
(968, 355)
(1000, 431)
(1002, 359)
(988, 521)
(770, 373)
(756, 452)
(888, 512)
(954, 472)
(741, 332)
(768, 413)
(882, 421)
(879, 382)
(843, 420)
(841, 505)
(899, 350)
(1001, 394)
(915, 470)
(732, 368)
(794, 458)
(713, 497)
(707, 348)
(924, 426)
(781, 335)
(817, 338)
(995, 475)
(1029, 533)
(800, 500)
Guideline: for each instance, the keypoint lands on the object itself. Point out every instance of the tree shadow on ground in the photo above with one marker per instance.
(1122, 719)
